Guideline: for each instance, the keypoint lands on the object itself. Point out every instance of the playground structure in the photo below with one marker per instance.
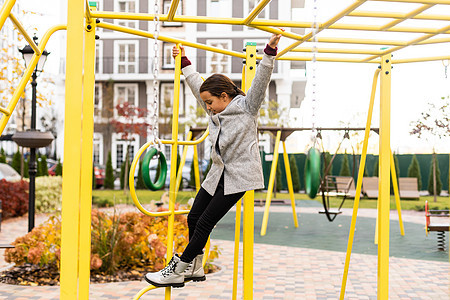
(77, 187)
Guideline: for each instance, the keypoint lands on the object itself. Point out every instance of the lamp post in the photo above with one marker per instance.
(33, 138)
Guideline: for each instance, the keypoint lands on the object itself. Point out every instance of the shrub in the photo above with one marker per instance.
(375, 168)
(294, 173)
(414, 171)
(48, 193)
(58, 168)
(438, 177)
(327, 160)
(118, 242)
(16, 161)
(14, 197)
(345, 167)
(109, 174)
(43, 168)
(2, 156)
(278, 182)
(102, 202)
(140, 180)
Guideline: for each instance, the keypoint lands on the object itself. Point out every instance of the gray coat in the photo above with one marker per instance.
(235, 128)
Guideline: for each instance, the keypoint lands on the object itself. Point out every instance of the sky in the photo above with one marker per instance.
(343, 89)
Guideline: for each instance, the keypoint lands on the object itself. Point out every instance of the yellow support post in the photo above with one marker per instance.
(249, 197)
(289, 183)
(384, 191)
(196, 169)
(396, 194)
(86, 160)
(273, 171)
(237, 237)
(70, 215)
(359, 185)
(5, 11)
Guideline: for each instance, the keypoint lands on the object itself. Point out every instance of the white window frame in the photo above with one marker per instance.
(166, 7)
(98, 140)
(98, 91)
(265, 13)
(165, 86)
(117, 63)
(224, 10)
(210, 54)
(126, 86)
(99, 57)
(134, 23)
(167, 55)
(117, 141)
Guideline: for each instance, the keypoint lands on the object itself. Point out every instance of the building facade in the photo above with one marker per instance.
(124, 65)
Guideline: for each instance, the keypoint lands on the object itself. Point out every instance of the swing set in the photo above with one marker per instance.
(82, 21)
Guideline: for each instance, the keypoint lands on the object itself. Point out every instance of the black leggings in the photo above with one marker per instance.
(205, 213)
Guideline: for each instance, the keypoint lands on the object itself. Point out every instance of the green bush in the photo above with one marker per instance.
(2, 156)
(375, 168)
(414, 171)
(109, 174)
(48, 193)
(140, 185)
(278, 180)
(294, 173)
(102, 202)
(58, 168)
(345, 167)
(16, 161)
(327, 159)
(43, 168)
(438, 177)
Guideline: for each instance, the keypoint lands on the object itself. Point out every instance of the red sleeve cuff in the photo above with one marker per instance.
(185, 62)
(270, 51)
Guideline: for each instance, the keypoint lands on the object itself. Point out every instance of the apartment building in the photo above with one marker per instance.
(125, 62)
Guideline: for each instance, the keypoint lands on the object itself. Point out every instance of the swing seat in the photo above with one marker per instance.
(331, 212)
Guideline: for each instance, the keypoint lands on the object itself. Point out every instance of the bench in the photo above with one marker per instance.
(408, 188)
(440, 226)
(370, 187)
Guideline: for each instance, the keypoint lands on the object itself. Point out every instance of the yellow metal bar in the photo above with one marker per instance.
(394, 15)
(172, 9)
(325, 25)
(330, 59)
(5, 11)
(26, 77)
(180, 168)
(70, 215)
(384, 192)
(418, 1)
(407, 16)
(423, 59)
(195, 142)
(169, 39)
(396, 194)
(289, 183)
(360, 41)
(237, 233)
(143, 291)
(25, 34)
(196, 169)
(86, 162)
(273, 171)
(5, 111)
(336, 50)
(249, 197)
(362, 164)
(88, 12)
(256, 11)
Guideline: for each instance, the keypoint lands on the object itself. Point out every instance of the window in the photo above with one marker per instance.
(98, 57)
(126, 54)
(98, 99)
(128, 6)
(219, 9)
(177, 13)
(98, 148)
(126, 93)
(168, 60)
(166, 100)
(119, 155)
(119, 147)
(217, 62)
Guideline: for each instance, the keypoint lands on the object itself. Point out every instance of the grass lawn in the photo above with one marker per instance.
(145, 196)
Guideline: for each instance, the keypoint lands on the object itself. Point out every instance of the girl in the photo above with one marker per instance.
(236, 164)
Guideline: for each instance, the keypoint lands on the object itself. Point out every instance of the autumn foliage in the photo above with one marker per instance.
(14, 197)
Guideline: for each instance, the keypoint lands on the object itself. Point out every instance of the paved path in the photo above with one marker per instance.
(280, 271)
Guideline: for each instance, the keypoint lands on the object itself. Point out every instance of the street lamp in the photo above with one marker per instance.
(33, 138)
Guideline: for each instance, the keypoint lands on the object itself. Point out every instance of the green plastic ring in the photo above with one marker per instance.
(159, 184)
(312, 172)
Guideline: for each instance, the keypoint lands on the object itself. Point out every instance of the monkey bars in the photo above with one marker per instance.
(81, 25)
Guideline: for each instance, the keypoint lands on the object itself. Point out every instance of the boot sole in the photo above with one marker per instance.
(175, 285)
(195, 279)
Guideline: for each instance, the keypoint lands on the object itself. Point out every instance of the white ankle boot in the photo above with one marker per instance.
(172, 275)
(195, 270)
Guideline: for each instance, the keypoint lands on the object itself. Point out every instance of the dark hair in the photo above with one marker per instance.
(216, 84)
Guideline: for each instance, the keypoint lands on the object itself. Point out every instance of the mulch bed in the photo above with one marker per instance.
(34, 275)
